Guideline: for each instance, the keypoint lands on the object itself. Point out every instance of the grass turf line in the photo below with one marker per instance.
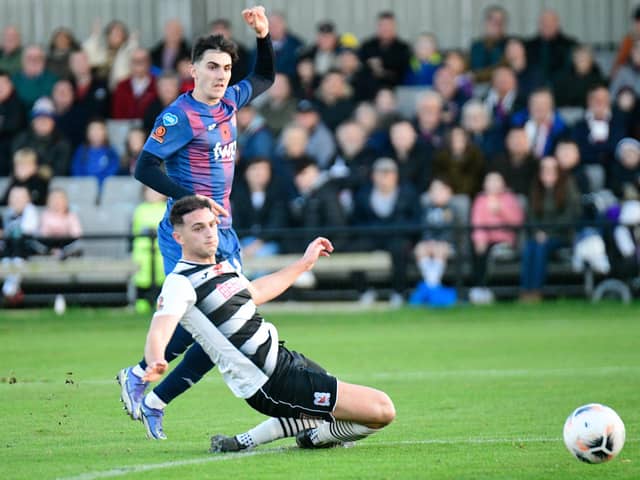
(480, 393)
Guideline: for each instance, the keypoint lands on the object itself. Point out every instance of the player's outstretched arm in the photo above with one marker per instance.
(160, 331)
(270, 286)
(264, 72)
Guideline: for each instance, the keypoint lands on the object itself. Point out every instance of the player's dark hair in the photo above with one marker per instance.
(214, 42)
(5, 73)
(386, 15)
(185, 206)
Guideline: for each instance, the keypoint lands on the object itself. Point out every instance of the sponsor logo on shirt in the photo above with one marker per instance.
(228, 151)
(158, 134)
(169, 119)
(322, 399)
(230, 288)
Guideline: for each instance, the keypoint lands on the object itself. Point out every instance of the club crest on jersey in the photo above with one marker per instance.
(227, 151)
(158, 134)
(169, 119)
(322, 399)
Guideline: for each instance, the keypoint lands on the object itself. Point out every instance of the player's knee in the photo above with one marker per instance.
(386, 410)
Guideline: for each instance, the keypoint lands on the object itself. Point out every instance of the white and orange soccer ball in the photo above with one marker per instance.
(594, 433)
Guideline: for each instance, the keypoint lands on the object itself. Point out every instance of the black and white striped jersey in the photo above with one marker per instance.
(215, 306)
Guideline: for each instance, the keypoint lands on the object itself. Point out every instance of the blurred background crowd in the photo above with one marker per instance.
(381, 131)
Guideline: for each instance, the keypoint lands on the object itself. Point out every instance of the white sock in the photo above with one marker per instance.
(152, 400)
(340, 431)
(138, 371)
(430, 270)
(438, 270)
(275, 429)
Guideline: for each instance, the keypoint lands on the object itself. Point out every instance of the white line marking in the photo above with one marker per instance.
(401, 376)
(126, 470)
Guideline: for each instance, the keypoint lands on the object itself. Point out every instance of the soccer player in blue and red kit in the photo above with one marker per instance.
(195, 138)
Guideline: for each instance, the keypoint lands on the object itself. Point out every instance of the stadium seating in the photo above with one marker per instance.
(117, 131)
(113, 219)
(407, 98)
(82, 191)
(121, 190)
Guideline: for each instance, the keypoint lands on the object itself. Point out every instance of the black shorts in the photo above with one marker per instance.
(298, 388)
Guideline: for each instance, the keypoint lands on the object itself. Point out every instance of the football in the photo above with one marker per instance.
(594, 433)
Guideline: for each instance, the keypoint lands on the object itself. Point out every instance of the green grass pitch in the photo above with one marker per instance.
(480, 393)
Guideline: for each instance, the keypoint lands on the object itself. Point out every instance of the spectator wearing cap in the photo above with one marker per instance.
(286, 45)
(255, 140)
(387, 203)
(11, 50)
(173, 47)
(135, 94)
(334, 99)
(626, 45)
(624, 177)
(280, 106)
(550, 50)
(13, 119)
(241, 67)
(324, 50)
(386, 54)
(424, 61)
(53, 149)
(487, 51)
(321, 145)
(363, 84)
(33, 80)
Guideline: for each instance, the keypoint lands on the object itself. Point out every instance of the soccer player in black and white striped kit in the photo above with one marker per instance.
(217, 305)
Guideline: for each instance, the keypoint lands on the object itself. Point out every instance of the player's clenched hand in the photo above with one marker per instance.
(218, 209)
(154, 371)
(320, 247)
(256, 18)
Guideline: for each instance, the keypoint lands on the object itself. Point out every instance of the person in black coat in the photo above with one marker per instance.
(386, 55)
(388, 204)
(166, 54)
(259, 203)
(550, 50)
(13, 119)
(598, 133)
(316, 205)
(413, 157)
(25, 174)
(92, 93)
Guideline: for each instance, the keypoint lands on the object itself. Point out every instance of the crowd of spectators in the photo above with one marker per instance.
(329, 146)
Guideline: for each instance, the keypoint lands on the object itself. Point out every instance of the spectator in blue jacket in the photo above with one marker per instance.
(254, 137)
(95, 158)
(541, 121)
(286, 45)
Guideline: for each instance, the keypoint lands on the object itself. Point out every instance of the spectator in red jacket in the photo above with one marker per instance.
(133, 95)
